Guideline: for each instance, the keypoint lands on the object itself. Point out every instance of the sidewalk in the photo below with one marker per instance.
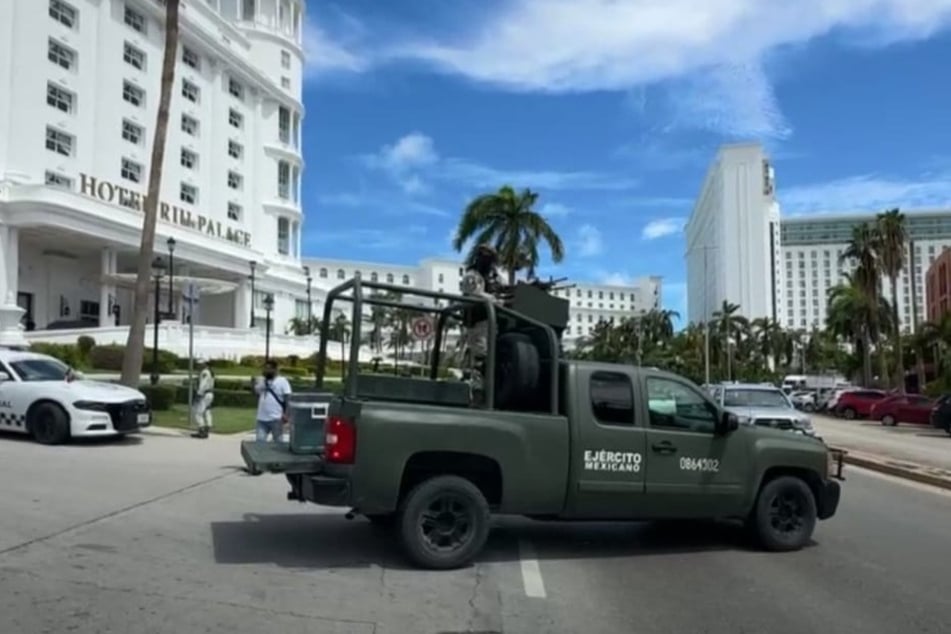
(915, 452)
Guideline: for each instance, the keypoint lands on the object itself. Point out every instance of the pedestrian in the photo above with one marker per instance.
(204, 397)
(480, 280)
(273, 391)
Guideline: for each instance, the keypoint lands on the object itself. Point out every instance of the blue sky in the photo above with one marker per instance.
(611, 110)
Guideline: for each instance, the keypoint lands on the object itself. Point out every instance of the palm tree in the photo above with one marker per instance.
(892, 237)
(507, 219)
(731, 328)
(135, 344)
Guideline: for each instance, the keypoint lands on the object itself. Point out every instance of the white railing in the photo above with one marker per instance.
(211, 342)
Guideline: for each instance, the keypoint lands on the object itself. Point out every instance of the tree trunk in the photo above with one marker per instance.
(900, 374)
(866, 358)
(135, 344)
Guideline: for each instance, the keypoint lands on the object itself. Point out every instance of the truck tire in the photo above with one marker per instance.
(443, 523)
(518, 369)
(784, 517)
(48, 423)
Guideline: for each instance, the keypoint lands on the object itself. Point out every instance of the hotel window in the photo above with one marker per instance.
(247, 10)
(286, 83)
(191, 58)
(189, 125)
(323, 273)
(234, 211)
(285, 59)
(190, 91)
(406, 279)
(283, 180)
(59, 142)
(134, 19)
(133, 94)
(235, 118)
(300, 309)
(235, 150)
(61, 55)
(189, 159)
(235, 89)
(283, 236)
(340, 274)
(59, 98)
(54, 179)
(296, 130)
(63, 13)
(284, 124)
(132, 132)
(389, 278)
(131, 171)
(133, 57)
(188, 194)
(234, 180)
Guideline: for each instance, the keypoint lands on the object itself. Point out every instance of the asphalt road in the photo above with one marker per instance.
(165, 535)
(920, 444)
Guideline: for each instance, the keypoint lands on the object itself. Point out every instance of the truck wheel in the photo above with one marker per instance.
(444, 523)
(889, 421)
(518, 369)
(49, 424)
(785, 514)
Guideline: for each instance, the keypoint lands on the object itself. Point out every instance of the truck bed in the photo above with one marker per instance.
(274, 457)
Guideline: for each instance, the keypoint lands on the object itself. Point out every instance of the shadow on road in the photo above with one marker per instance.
(326, 541)
(111, 441)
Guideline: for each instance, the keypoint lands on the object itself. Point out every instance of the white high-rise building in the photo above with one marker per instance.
(77, 117)
(732, 238)
(590, 303)
(812, 248)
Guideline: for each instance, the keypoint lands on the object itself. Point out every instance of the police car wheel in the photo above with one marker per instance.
(48, 423)
(785, 514)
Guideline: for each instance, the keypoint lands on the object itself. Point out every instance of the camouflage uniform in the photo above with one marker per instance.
(476, 335)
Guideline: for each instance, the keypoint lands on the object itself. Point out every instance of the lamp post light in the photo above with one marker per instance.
(171, 275)
(268, 307)
(253, 266)
(158, 268)
(310, 306)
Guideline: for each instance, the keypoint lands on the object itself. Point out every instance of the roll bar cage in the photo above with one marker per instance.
(358, 297)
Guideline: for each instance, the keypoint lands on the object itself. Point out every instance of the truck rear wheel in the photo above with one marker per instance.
(785, 514)
(444, 523)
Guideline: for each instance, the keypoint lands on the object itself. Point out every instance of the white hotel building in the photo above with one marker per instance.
(77, 117)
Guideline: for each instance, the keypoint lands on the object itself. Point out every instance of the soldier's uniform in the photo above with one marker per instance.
(475, 283)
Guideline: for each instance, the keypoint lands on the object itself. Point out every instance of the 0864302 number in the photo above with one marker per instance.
(699, 464)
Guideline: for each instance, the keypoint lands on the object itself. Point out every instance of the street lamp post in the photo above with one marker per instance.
(268, 307)
(171, 275)
(158, 268)
(310, 306)
(253, 265)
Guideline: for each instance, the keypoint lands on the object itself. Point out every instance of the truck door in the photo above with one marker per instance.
(691, 472)
(607, 464)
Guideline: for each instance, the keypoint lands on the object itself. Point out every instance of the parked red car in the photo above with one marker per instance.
(858, 403)
(903, 408)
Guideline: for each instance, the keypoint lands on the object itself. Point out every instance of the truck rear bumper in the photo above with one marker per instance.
(325, 490)
(828, 499)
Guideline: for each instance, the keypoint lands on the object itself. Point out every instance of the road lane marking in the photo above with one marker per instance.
(531, 571)
(913, 484)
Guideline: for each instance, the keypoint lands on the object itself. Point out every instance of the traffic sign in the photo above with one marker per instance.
(422, 328)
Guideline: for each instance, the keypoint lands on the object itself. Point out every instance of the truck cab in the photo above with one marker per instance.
(553, 439)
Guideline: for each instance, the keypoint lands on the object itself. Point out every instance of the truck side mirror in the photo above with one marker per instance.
(4, 376)
(726, 423)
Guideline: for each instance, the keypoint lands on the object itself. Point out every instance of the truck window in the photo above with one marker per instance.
(612, 398)
(673, 405)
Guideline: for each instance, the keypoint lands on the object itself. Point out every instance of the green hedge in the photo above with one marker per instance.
(161, 396)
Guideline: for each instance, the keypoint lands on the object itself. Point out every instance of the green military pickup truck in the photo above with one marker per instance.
(552, 439)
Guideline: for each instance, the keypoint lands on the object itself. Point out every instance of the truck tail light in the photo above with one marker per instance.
(340, 440)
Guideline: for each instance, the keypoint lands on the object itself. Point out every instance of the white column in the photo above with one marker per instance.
(107, 289)
(242, 305)
(11, 331)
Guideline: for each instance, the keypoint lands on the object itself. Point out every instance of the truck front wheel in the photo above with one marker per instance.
(444, 523)
(785, 514)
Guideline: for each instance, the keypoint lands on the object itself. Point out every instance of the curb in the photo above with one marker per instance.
(882, 466)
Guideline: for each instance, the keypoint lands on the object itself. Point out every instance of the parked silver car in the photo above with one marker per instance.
(758, 404)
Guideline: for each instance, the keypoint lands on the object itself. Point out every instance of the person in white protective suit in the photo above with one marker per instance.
(204, 397)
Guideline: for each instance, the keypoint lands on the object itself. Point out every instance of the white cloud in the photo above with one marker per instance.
(613, 45)
(866, 193)
(589, 242)
(413, 159)
(615, 279)
(382, 204)
(554, 210)
(662, 227)
(324, 54)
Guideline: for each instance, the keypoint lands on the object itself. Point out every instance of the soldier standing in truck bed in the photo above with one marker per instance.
(480, 280)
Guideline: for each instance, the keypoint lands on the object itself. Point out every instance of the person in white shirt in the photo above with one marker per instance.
(204, 397)
(273, 391)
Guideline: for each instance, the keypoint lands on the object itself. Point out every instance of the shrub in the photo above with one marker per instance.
(110, 358)
(161, 396)
(85, 343)
(67, 353)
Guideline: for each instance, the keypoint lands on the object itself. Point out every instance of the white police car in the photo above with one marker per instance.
(41, 396)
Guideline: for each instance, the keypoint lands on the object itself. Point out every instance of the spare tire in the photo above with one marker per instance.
(517, 370)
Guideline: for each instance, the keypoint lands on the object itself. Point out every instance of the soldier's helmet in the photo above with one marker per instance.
(486, 251)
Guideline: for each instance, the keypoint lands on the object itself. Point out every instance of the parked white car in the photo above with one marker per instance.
(43, 397)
